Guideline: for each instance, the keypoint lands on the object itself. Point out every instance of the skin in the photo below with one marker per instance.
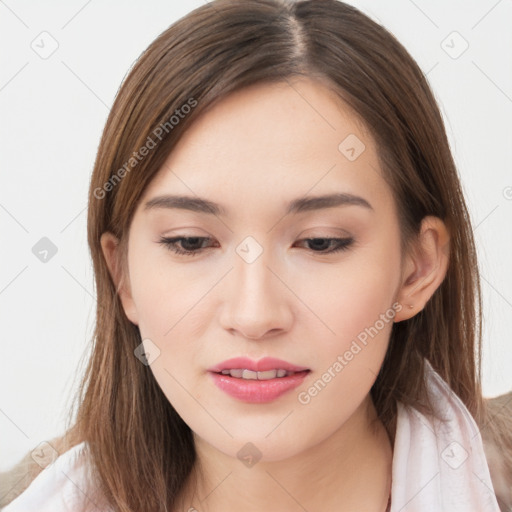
(252, 153)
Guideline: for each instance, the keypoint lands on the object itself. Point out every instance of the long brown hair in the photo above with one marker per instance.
(141, 450)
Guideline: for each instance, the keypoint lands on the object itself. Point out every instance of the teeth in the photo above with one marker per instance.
(251, 375)
(269, 374)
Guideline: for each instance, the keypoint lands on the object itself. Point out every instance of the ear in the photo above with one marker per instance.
(111, 251)
(425, 269)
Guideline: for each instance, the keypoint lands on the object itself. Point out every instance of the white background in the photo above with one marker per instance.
(52, 114)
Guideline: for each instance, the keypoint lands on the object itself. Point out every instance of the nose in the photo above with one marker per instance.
(256, 302)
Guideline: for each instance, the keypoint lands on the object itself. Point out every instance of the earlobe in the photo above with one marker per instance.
(110, 247)
(425, 268)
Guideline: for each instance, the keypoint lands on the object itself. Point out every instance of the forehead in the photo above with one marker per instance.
(272, 142)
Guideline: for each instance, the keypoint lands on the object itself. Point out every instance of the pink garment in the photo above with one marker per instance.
(437, 467)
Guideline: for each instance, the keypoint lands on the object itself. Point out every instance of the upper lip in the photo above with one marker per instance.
(267, 363)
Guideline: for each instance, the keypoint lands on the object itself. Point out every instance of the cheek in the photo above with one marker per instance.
(169, 311)
(164, 293)
(358, 307)
(173, 311)
(352, 295)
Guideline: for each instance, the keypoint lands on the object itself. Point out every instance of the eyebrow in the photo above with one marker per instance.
(299, 205)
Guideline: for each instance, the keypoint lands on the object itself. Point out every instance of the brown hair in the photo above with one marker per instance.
(216, 49)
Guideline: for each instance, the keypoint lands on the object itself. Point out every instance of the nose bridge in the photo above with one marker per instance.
(257, 301)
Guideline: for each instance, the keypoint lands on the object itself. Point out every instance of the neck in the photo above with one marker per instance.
(352, 468)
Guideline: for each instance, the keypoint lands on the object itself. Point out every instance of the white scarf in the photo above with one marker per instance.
(440, 467)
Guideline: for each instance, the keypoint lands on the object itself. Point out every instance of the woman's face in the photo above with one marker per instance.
(254, 286)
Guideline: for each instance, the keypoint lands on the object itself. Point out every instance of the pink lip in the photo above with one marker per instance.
(267, 363)
(257, 391)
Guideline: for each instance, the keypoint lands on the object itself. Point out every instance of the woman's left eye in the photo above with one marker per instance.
(340, 244)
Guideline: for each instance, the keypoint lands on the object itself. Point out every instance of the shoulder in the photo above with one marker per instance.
(497, 439)
(62, 486)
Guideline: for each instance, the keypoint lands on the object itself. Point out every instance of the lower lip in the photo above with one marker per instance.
(257, 391)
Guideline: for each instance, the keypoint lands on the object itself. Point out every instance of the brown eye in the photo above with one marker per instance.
(320, 245)
(190, 245)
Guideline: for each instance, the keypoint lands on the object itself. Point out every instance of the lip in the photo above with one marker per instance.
(267, 363)
(257, 391)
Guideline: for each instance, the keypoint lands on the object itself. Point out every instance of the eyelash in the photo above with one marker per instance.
(171, 243)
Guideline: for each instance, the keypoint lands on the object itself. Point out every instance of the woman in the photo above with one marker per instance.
(286, 277)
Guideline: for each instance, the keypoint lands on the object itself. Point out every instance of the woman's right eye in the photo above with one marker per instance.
(190, 241)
